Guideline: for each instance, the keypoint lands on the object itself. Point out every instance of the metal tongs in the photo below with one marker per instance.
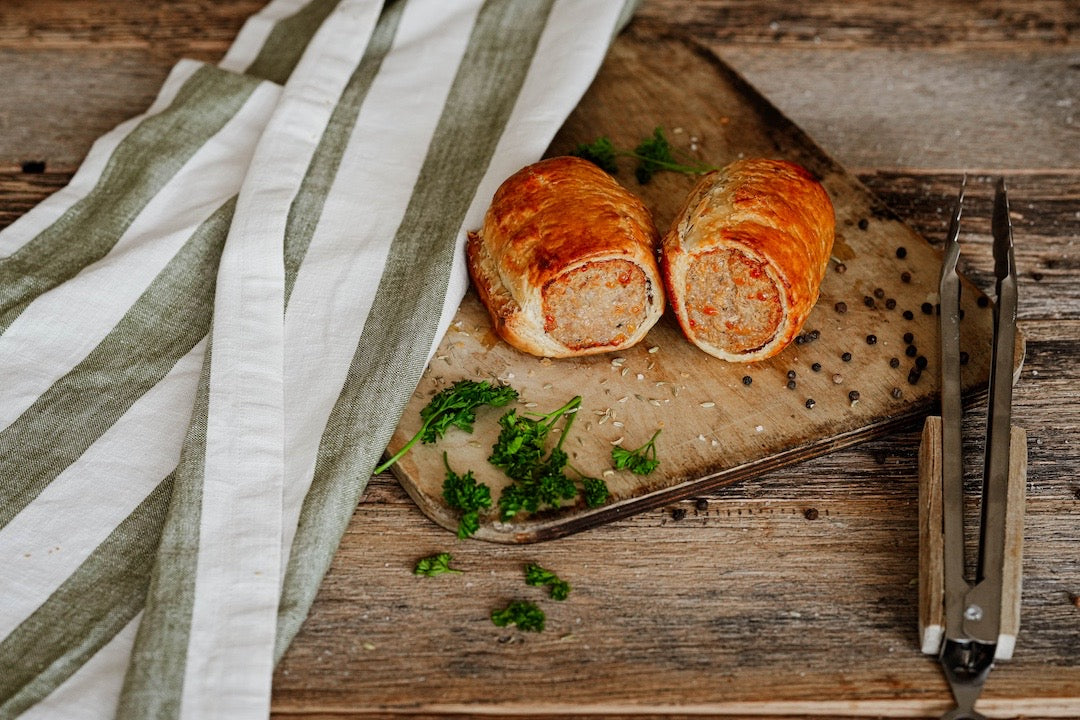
(973, 609)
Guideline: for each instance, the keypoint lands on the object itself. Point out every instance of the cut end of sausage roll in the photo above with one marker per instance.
(566, 261)
(745, 258)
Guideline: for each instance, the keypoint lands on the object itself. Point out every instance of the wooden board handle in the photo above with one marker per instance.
(932, 545)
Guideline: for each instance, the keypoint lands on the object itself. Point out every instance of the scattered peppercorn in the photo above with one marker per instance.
(810, 403)
(790, 384)
(897, 393)
(905, 277)
(911, 351)
(909, 338)
(913, 376)
(746, 380)
(816, 367)
(927, 309)
(908, 315)
(868, 301)
(678, 514)
(871, 339)
(901, 252)
(814, 335)
(853, 396)
(983, 301)
(890, 304)
(879, 293)
(810, 513)
(864, 223)
(702, 504)
(840, 307)
(921, 362)
(791, 374)
(846, 357)
(894, 362)
(800, 339)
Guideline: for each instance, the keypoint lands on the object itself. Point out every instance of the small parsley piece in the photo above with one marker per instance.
(641, 461)
(519, 452)
(463, 492)
(526, 615)
(595, 491)
(454, 406)
(653, 154)
(536, 575)
(600, 152)
(435, 565)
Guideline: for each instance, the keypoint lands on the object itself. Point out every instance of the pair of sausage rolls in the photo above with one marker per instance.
(565, 261)
(744, 259)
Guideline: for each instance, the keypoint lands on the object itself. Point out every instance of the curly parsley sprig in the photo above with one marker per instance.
(640, 461)
(519, 452)
(536, 575)
(653, 154)
(523, 613)
(454, 406)
(435, 565)
(463, 492)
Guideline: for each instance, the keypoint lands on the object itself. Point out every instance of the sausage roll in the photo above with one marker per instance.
(565, 261)
(744, 259)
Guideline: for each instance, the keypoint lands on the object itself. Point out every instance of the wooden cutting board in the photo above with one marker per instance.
(717, 429)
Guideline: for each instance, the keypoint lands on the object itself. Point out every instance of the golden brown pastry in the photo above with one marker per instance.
(744, 259)
(566, 261)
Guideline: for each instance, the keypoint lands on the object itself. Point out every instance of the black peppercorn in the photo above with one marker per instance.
(905, 277)
(791, 374)
(810, 403)
(890, 304)
(868, 301)
(816, 367)
(983, 301)
(810, 513)
(911, 351)
(863, 223)
(853, 395)
(846, 357)
(908, 315)
(800, 339)
(840, 307)
(702, 504)
(879, 293)
(909, 338)
(814, 335)
(927, 309)
(901, 252)
(894, 362)
(871, 339)
(746, 380)
(790, 384)
(678, 513)
(913, 376)
(921, 362)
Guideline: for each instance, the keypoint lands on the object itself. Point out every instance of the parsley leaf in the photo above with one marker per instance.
(600, 152)
(536, 575)
(526, 615)
(434, 565)
(641, 461)
(595, 491)
(653, 154)
(463, 492)
(454, 406)
(519, 452)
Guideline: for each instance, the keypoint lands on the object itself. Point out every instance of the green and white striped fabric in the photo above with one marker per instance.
(208, 336)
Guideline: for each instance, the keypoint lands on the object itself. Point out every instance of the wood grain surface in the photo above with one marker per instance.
(794, 593)
(715, 428)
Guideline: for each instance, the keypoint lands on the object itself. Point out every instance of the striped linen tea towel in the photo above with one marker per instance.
(208, 336)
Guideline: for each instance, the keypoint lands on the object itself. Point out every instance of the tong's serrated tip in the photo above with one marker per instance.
(952, 246)
(1001, 228)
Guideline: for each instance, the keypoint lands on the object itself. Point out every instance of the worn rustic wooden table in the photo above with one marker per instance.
(790, 594)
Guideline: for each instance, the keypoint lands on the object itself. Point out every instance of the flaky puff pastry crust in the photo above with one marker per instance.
(565, 261)
(744, 259)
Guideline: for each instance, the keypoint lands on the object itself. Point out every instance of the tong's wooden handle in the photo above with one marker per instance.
(932, 546)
